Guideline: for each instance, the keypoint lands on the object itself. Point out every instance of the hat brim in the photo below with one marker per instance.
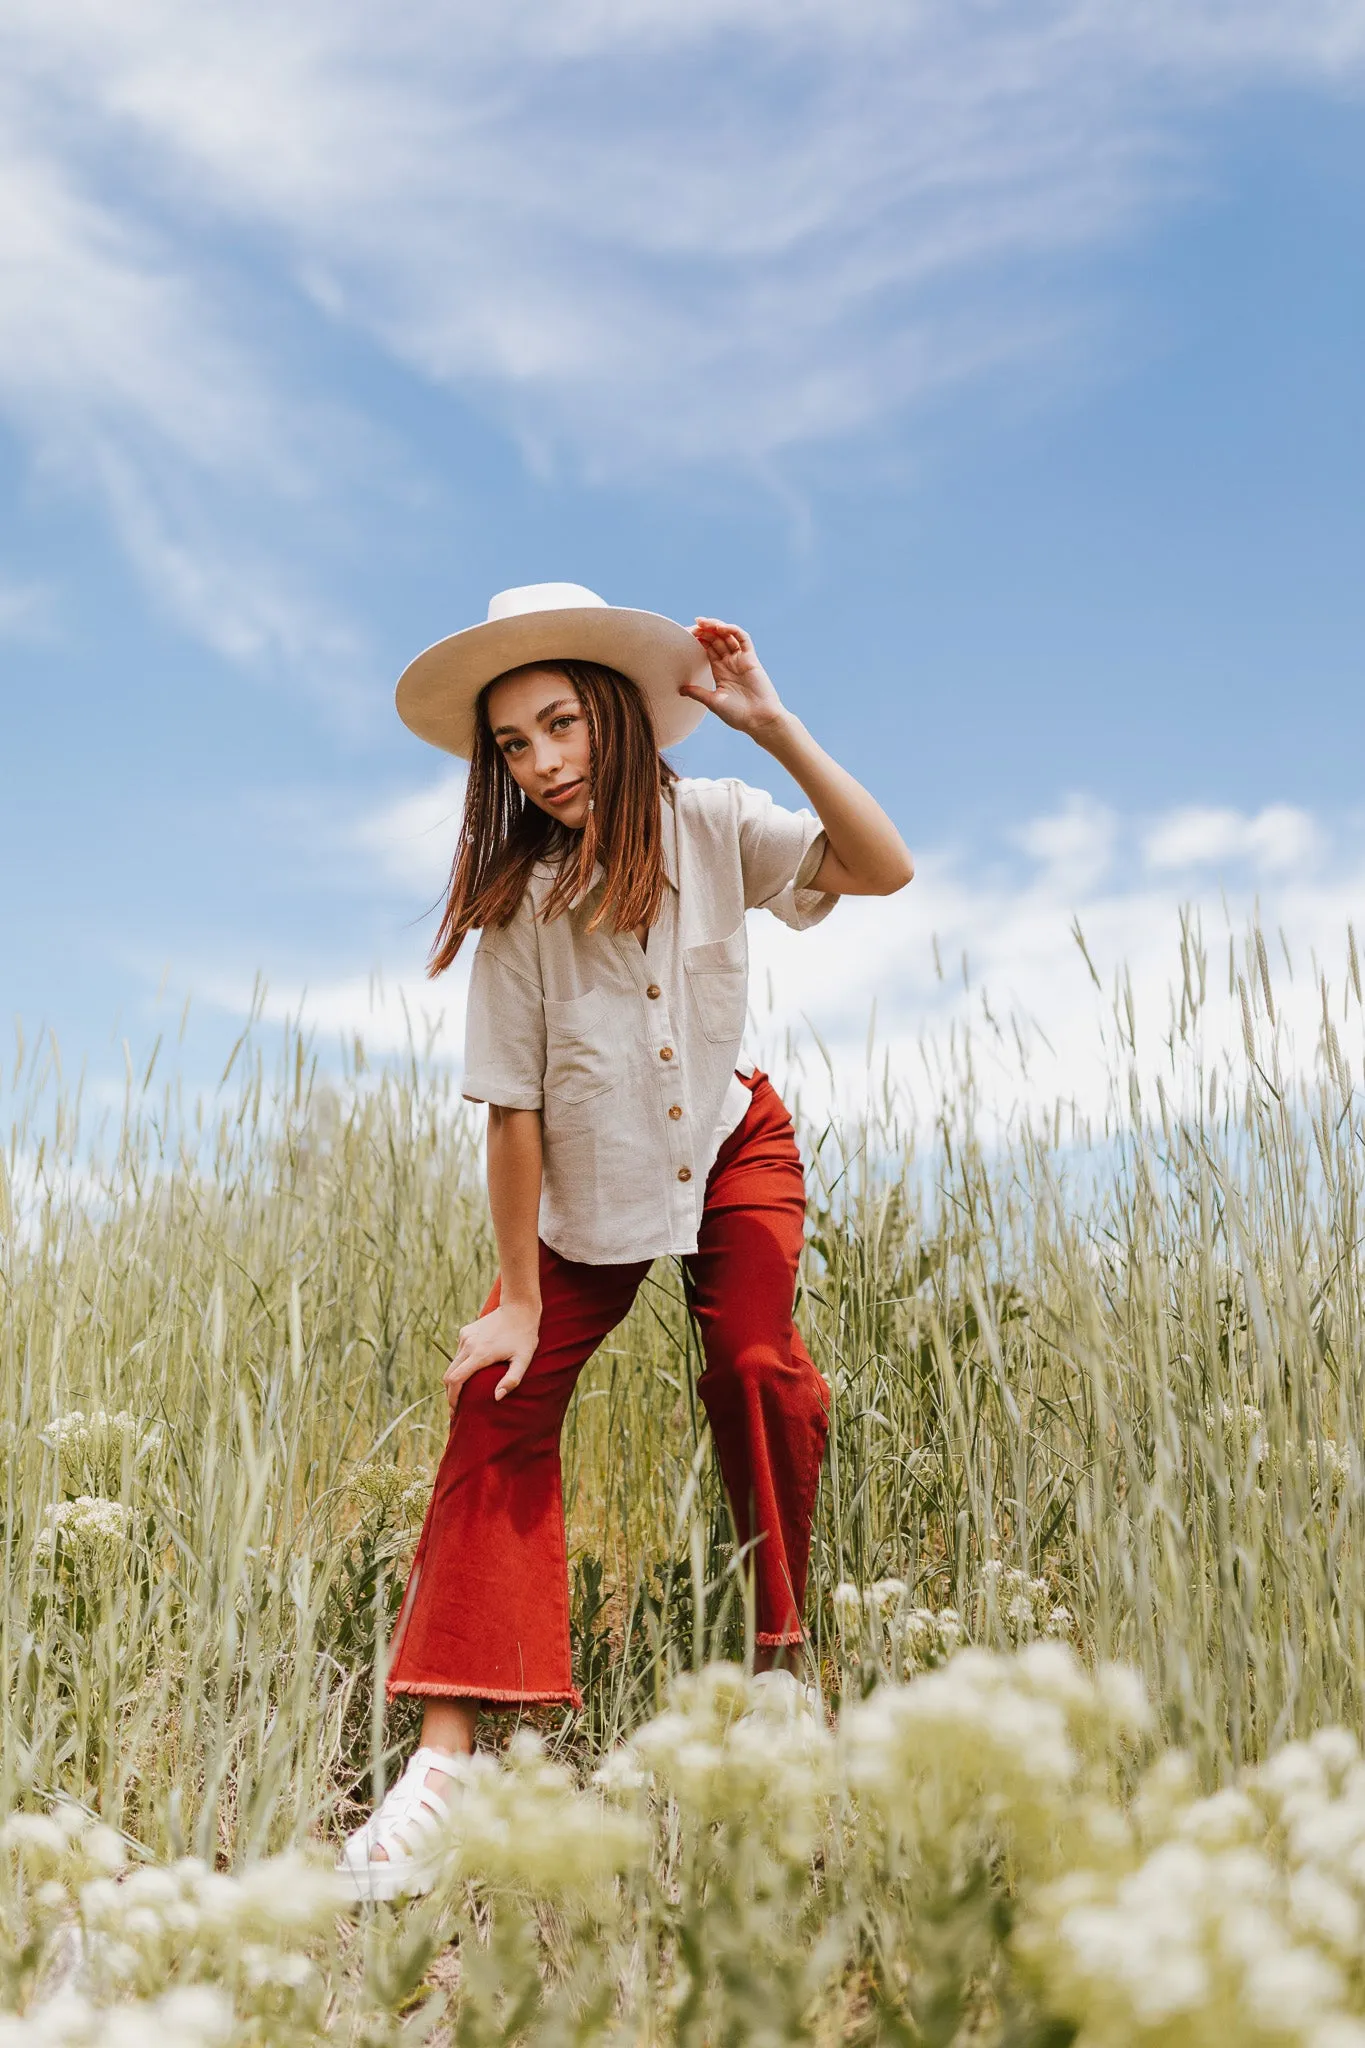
(437, 691)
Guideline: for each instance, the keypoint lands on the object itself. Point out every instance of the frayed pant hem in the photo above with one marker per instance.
(420, 1689)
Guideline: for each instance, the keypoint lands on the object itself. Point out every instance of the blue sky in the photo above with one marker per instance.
(999, 368)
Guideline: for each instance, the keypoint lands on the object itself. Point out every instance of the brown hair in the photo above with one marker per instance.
(503, 834)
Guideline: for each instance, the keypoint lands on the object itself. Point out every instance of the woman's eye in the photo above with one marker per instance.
(564, 718)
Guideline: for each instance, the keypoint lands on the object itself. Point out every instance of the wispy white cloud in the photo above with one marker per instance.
(122, 370)
(231, 594)
(396, 847)
(1277, 839)
(1074, 847)
(1008, 950)
(641, 228)
(412, 838)
(636, 231)
(102, 326)
(1043, 964)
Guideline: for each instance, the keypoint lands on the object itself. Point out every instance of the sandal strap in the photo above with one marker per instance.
(412, 1813)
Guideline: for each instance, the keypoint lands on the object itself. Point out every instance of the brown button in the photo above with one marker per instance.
(684, 1173)
(665, 1052)
(675, 1110)
(653, 989)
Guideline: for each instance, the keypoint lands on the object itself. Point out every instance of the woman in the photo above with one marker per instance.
(606, 1005)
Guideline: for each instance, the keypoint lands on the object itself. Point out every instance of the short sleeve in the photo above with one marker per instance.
(504, 1039)
(779, 852)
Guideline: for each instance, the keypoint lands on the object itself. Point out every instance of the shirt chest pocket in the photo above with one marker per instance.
(718, 978)
(581, 1059)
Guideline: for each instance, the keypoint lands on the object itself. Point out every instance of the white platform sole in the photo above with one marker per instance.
(400, 1877)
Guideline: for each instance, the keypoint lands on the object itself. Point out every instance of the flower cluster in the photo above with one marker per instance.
(929, 1637)
(1141, 1912)
(90, 1537)
(524, 1824)
(196, 2017)
(882, 1635)
(1017, 1607)
(1244, 1423)
(191, 1923)
(1014, 1752)
(1235, 1917)
(94, 1450)
(183, 1926)
(387, 1494)
(62, 1848)
(1320, 1461)
(736, 1754)
(1328, 1468)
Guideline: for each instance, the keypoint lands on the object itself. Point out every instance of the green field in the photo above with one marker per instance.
(1098, 1403)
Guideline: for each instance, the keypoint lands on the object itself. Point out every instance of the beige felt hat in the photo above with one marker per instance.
(552, 622)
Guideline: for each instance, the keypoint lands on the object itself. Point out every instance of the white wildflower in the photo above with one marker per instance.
(1326, 1910)
(1285, 1985)
(1336, 1749)
(848, 1605)
(1292, 1770)
(1337, 2032)
(193, 2016)
(198, 2013)
(36, 1836)
(102, 1849)
(619, 1774)
(385, 1492)
(93, 1450)
(150, 1888)
(727, 1755)
(1124, 1704)
(992, 1745)
(1223, 1821)
(1008, 1598)
(526, 1824)
(90, 1536)
(289, 1895)
(282, 1973)
(928, 1639)
(141, 1925)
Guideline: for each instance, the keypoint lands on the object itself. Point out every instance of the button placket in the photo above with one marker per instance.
(668, 1070)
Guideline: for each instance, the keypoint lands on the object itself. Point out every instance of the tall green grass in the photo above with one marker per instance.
(1123, 1362)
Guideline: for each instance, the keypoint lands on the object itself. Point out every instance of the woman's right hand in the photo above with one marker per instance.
(508, 1336)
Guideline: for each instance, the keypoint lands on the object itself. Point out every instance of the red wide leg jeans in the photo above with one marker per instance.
(486, 1611)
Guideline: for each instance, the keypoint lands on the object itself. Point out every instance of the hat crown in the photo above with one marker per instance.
(541, 597)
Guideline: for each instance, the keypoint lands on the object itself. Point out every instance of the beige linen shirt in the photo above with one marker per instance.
(630, 1052)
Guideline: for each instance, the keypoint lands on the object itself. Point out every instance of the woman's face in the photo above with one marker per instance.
(541, 729)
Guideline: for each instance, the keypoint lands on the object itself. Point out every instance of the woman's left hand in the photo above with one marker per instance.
(743, 697)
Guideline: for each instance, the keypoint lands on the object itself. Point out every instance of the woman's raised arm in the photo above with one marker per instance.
(866, 855)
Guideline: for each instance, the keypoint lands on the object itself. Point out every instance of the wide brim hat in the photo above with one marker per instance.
(437, 692)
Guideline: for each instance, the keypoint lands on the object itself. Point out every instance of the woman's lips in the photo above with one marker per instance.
(562, 795)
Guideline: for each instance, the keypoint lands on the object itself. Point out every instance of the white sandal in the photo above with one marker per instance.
(782, 1696)
(411, 1825)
